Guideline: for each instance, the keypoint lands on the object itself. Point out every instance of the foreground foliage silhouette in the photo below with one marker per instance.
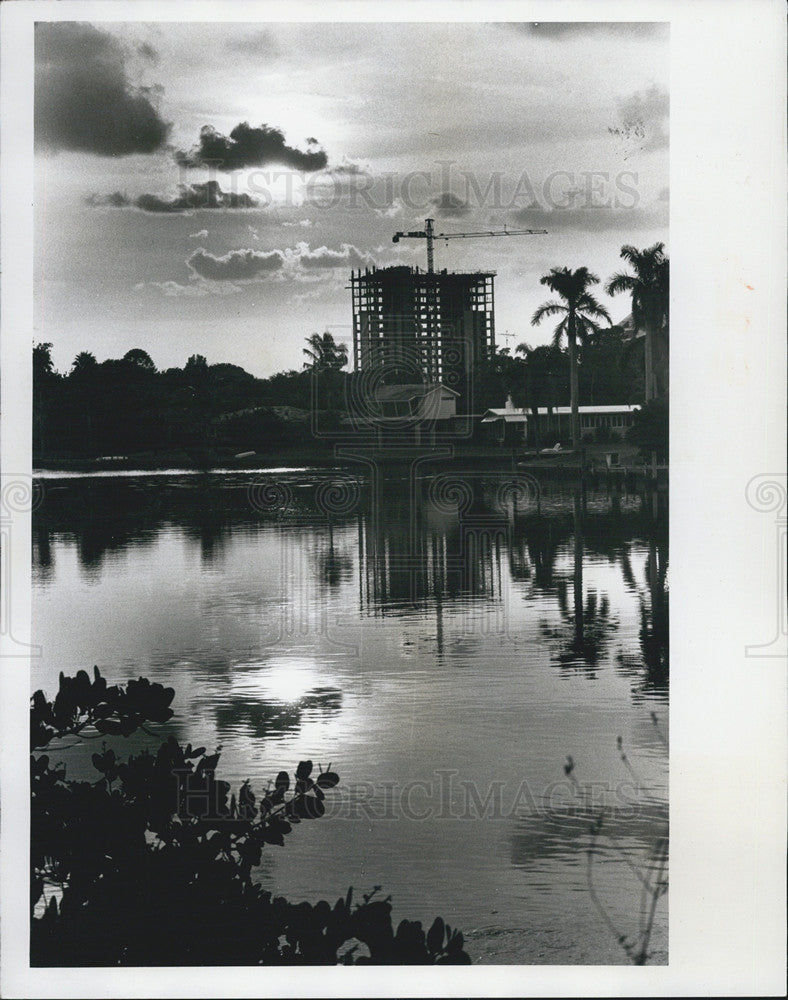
(152, 862)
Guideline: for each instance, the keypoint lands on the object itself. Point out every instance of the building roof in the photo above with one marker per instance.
(628, 331)
(508, 416)
(518, 415)
(609, 408)
(402, 393)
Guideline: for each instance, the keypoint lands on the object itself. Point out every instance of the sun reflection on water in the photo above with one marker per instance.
(285, 679)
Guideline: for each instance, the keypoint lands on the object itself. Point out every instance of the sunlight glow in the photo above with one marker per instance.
(285, 679)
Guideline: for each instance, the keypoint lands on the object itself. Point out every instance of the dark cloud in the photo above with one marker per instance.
(147, 51)
(115, 200)
(247, 146)
(189, 198)
(323, 257)
(237, 265)
(593, 218)
(644, 118)
(301, 263)
(557, 31)
(350, 169)
(450, 206)
(83, 98)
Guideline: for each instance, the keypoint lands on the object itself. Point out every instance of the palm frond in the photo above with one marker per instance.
(620, 282)
(588, 304)
(630, 253)
(586, 277)
(547, 309)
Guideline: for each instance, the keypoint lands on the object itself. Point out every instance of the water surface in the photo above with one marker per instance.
(445, 644)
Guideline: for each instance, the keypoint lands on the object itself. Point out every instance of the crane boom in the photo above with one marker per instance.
(429, 234)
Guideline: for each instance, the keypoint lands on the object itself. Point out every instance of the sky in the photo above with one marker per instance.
(208, 187)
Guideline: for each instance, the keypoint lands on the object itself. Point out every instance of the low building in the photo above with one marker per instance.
(416, 403)
(507, 424)
(519, 425)
(412, 413)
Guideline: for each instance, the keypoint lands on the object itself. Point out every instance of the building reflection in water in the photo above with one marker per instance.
(469, 542)
(442, 538)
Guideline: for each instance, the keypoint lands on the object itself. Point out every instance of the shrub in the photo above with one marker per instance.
(152, 862)
(650, 429)
(604, 435)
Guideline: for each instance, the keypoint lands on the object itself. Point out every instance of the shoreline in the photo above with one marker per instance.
(632, 473)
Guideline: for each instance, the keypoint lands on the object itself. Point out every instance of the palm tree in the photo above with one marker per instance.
(580, 311)
(324, 353)
(84, 364)
(650, 289)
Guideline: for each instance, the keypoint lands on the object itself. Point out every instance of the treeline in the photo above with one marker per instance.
(122, 406)
(126, 406)
(611, 372)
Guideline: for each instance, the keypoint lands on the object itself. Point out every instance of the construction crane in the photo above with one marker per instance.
(429, 234)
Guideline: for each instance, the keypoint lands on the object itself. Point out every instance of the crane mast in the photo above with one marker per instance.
(429, 234)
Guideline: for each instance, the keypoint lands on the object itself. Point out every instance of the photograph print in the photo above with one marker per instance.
(350, 564)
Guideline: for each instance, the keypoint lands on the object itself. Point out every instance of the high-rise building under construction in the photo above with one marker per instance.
(411, 325)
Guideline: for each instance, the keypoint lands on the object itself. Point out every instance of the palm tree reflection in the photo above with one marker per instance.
(654, 618)
(334, 564)
(588, 625)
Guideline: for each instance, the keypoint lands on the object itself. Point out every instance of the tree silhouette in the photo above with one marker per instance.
(43, 368)
(650, 290)
(45, 379)
(84, 364)
(324, 353)
(136, 356)
(580, 311)
(151, 864)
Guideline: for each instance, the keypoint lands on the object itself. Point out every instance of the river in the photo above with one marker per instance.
(482, 657)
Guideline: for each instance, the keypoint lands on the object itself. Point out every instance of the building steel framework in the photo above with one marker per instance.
(436, 326)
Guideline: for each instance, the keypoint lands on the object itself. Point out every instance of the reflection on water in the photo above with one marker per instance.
(445, 640)
(273, 698)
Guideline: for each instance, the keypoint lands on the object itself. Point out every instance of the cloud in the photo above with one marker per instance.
(189, 198)
(644, 118)
(391, 211)
(196, 290)
(198, 236)
(260, 43)
(299, 263)
(83, 98)
(237, 265)
(557, 31)
(323, 257)
(115, 200)
(450, 206)
(348, 168)
(147, 51)
(302, 223)
(593, 218)
(250, 147)
(351, 179)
